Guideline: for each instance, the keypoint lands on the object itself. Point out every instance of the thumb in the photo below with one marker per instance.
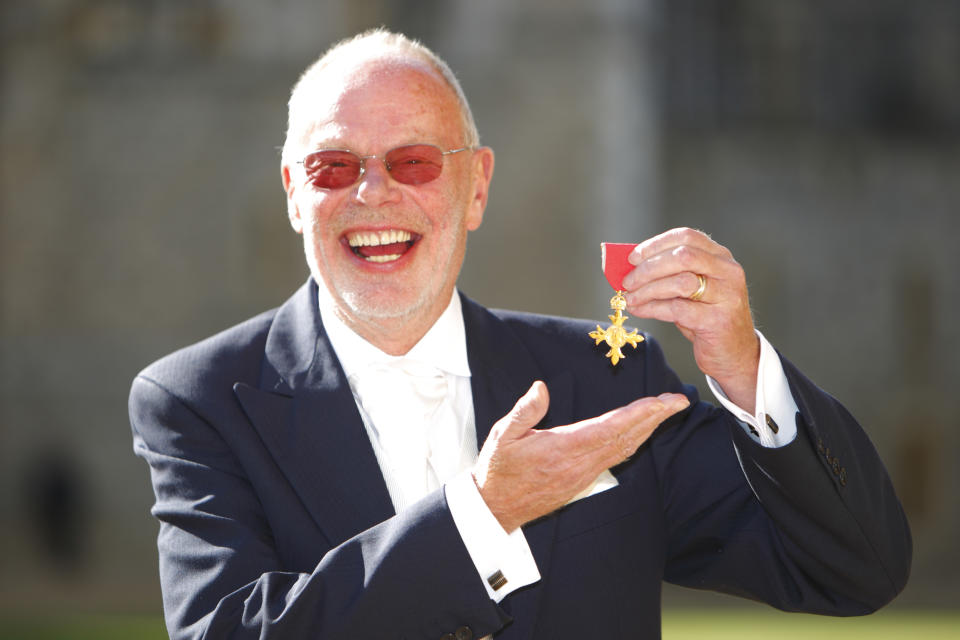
(528, 411)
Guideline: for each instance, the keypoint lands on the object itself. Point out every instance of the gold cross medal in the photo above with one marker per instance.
(615, 267)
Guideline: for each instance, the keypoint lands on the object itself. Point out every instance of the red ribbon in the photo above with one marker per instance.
(614, 261)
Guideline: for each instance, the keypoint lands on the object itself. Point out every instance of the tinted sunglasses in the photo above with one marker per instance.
(409, 164)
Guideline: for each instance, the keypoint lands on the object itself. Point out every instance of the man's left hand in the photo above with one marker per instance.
(715, 317)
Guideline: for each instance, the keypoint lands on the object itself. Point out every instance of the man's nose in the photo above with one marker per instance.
(376, 187)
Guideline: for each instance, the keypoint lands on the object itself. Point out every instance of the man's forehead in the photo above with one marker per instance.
(340, 81)
(347, 95)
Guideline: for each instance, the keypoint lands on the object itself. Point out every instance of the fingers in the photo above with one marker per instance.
(526, 413)
(667, 280)
(673, 273)
(636, 422)
(681, 285)
(611, 438)
(683, 236)
(672, 261)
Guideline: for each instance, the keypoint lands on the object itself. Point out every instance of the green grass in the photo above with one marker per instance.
(83, 627)
(678, 624)
(753, 624)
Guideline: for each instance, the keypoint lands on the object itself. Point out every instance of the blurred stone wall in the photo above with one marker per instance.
(821, 143)
(141, 209)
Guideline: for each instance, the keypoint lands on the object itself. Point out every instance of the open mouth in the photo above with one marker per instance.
(381, 246)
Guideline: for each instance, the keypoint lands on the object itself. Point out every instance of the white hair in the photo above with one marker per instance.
(375, 44)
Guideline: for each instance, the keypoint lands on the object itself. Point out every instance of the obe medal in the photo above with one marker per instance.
(615, 267)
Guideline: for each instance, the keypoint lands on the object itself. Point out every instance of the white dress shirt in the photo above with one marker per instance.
(424, 435)
(401, 452)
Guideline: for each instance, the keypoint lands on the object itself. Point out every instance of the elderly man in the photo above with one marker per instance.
(317, 471)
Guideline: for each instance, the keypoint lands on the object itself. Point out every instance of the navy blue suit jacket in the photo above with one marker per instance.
(275, 521)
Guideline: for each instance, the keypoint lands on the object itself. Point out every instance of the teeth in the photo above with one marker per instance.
(393, 256)
(376, 238)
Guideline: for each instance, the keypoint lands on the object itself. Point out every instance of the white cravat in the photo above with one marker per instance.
(417, 408)
(417, 436)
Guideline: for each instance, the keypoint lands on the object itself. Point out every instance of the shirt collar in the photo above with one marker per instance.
(444, 346)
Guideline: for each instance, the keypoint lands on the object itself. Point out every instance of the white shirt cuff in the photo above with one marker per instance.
(502, 559)
(774, 423)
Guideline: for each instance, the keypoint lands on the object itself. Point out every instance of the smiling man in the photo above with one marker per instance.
(386, 234)
(381, 457)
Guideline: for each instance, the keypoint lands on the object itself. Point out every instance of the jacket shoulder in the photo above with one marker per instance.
(232, 355)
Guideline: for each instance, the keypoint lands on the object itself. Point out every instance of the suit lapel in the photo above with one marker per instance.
(502, 370)
(305, 414)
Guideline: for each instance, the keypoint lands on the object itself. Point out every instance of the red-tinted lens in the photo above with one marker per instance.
(332, 169)
(414, 163)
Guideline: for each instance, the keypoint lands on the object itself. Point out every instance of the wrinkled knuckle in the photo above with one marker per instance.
(625, 446)
(684, 254)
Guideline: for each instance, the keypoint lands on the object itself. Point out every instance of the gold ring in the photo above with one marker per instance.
(696, 295)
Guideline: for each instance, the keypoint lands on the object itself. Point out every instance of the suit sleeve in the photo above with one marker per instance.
(812, 526)
(222, 576)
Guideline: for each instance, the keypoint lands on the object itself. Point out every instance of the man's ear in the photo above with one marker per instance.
(293, 211)
(482, 175)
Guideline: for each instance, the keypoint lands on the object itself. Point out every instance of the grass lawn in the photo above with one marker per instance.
(82, 627)
(678, 624)
(757, 624)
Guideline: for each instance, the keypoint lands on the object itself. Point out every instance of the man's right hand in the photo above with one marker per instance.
(525, 473)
